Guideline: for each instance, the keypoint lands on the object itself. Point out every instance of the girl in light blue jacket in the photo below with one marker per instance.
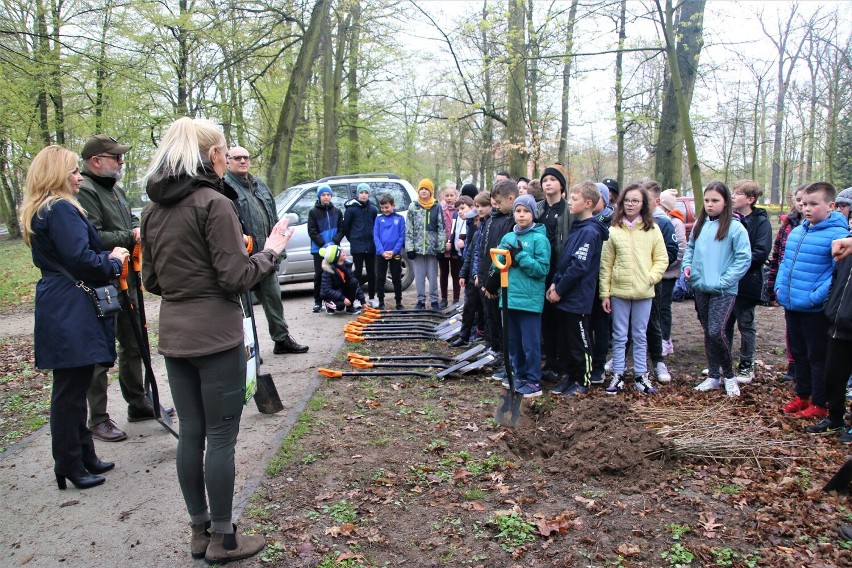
(717, 257)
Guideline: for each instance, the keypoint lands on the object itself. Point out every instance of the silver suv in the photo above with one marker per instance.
(296, 202)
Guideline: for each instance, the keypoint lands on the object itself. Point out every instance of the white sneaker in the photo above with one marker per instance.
(668, 347)
(705, 372)
(745, 374)
(708, 384)
(374, 303)
(608, 367)
(662, 372)
(356, 304)
(732, 387)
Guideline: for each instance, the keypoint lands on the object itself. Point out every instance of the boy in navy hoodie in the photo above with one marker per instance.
(389, 238)
(325, 227)
(807, 255)
(358, 220)
(573, 290)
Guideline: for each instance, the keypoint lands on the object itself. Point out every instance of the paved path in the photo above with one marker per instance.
(138, 518)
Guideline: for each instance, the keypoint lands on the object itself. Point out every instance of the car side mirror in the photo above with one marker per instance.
(293, 218)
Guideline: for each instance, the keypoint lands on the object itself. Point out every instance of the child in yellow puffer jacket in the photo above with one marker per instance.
(632, 263)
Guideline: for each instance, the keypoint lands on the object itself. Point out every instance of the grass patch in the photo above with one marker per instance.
(18, 276)
(291, 445)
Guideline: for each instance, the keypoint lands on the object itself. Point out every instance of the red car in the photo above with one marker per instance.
(686, 205)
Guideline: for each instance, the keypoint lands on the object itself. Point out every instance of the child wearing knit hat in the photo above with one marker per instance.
(530, 261)
(424, 240)
(325, 227)
(340, 290)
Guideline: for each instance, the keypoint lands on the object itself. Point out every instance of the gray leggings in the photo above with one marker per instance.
(208, 393)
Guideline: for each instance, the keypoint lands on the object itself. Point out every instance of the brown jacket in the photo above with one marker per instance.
(194, 257)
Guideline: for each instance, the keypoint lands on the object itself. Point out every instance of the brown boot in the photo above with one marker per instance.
(200, 539)
(224, 548)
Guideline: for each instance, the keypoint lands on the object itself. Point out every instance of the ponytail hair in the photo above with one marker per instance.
(185, 149)
(47, 182)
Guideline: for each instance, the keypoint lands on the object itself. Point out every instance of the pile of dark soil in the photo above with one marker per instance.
(589, 437)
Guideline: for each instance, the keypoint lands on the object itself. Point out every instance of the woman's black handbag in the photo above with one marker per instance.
(104, 298)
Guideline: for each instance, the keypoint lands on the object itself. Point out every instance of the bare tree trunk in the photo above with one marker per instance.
(8, 204)
(41, 50)
(566, 83)
(327, 164)
(516, 99)
(279, 162)
(535, 129)
(487, 167)
(620, 128)
(101, 70)
(181, 34)
(353, 89)
(683, 47)
(691, 31)
(56, 75)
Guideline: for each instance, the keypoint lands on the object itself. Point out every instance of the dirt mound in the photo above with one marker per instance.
(586, 438)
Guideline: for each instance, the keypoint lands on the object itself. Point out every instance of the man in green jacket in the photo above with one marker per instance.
(258, 214)
(107, 208)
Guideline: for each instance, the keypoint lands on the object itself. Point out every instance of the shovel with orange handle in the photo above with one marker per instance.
(509, 411)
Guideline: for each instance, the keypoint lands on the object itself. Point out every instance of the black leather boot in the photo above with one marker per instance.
(96, 466)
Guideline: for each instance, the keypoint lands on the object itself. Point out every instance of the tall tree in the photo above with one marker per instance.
(567, 61)
(516, 54)
(620, 128)
(684, 39)
(279, 162)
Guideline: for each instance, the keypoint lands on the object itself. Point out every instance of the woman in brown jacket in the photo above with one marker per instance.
(195, 258)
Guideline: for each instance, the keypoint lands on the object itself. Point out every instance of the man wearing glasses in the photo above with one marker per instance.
(257, 211)
(106, 207)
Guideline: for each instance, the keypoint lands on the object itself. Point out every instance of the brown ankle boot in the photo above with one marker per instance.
(224, 548)
(200, 539)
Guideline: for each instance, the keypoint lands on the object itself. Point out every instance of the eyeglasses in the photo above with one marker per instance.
(239, 158)
(116, 157)
(632, 201)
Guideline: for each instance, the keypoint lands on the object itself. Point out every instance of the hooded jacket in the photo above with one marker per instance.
(528, 270)
(358, 221)
(576, 277)
(632, 261)
(716, 267)
(194, 257)
(759, 231)
(677, 218)
(338, 283)
(107, 209)
(807, 254)
(788, 223)
(424, 229)
(325, 225)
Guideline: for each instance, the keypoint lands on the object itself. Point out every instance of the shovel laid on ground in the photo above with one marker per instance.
(461, 366)
(448, 310)
(509, 411)
(354, 335)
(460, 357)
(266, 398)
(332, 374)
(140, 331)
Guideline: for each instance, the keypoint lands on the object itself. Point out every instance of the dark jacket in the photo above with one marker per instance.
(470, 242)
(788, 223)
(245, 187)
(194, 257)
(338, 283)
(389, 233)
(760, 239)
(358, 223)
(576, 277)
(838, 306)
(557, 219)
(68, 333)
(669, 236)
(107, 209)
(325, 225)
(498, 227)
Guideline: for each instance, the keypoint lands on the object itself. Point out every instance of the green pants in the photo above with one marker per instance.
(129, 372)
(270, 298)
(209, 393)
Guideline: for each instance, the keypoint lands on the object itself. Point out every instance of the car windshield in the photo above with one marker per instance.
(283, 199)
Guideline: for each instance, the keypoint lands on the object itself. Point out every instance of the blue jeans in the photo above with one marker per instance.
(525, 346)
(630, 318)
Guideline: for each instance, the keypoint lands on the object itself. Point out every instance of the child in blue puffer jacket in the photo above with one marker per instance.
(801, 288)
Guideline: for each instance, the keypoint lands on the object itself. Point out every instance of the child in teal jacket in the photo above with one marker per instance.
(530, 251)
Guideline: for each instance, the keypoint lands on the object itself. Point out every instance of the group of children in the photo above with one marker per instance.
(603, 273)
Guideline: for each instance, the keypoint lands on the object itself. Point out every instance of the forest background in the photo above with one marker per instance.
(449, 90)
